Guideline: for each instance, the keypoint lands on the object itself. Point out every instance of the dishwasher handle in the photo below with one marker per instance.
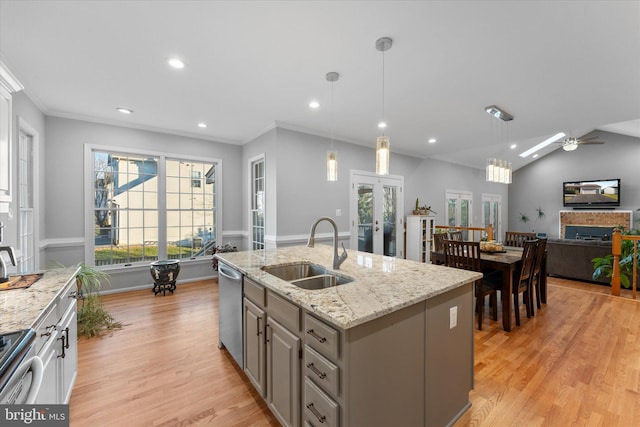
(229, 272)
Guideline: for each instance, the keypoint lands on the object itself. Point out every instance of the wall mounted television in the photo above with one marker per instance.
(594, 194)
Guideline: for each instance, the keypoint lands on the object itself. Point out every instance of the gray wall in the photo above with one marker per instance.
(540, 182)
(64, 187)
(24, 108)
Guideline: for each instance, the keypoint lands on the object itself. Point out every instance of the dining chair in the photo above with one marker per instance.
(523, 280)
(537, 269)
(517, 238)
(455, 235)
(438, 245)
(466, 256)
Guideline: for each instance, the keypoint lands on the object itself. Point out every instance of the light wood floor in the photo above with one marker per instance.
(576, 363)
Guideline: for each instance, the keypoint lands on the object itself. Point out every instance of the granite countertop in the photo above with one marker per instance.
(382, 284)
(21, 308)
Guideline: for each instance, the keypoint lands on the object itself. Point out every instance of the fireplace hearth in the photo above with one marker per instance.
(593, 224)
(579, 232)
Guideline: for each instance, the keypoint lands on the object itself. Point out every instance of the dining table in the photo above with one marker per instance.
(507, 262)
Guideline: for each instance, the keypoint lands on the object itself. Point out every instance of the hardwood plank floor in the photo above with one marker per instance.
(576, 363)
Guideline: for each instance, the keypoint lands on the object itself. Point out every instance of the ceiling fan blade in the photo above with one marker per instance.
(588, 139)
(590, 142)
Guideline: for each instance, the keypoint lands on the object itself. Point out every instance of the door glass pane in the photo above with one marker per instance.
(390, 211)
(365, 218)
(451, 212)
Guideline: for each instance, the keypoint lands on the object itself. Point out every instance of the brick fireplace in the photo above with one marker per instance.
(588, 222)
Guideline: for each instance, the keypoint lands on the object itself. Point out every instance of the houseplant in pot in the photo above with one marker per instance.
(93, 318)
(604, 265)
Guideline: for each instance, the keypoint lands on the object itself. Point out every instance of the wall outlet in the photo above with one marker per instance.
(453, 317)
(338, 212)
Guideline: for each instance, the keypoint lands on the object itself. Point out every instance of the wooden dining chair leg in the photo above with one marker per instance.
(493, 302)
(516, 307)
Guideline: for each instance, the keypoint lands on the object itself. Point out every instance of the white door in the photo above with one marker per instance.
(491, 208)
(459, 210)
(27, 165)
(377, 212)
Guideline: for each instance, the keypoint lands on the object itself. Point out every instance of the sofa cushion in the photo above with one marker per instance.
(572, 258)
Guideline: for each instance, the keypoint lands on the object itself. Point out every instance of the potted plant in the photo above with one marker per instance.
(604, 265)
(422, 210)
(93, 318)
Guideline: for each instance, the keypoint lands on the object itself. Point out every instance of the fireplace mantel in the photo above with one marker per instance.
(595, 218)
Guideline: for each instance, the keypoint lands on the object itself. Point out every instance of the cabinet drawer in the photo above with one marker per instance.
(321, 336)
(46, 329)
(321, 370)
(318, 407)
(285, 312)
(254, 292)
(66, 298)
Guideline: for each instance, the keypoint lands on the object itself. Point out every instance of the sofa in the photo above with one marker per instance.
(571, 258)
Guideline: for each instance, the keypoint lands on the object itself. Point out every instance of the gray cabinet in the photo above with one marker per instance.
(272, 351)
(254, 348)
(283, 373)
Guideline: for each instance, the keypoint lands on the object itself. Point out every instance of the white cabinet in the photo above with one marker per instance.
(419, 230)
(57, 346)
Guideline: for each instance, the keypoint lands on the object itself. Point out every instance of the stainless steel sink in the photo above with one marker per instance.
(307, 275)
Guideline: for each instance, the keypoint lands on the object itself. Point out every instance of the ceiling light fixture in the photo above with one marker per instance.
(176, 63)
(570, 144)
(125, 110)
(332, 156)
(543, 144)
(382, 142)
(432, 141)
(498, 170)
(202, 125)
(314, 104)
(498, 113)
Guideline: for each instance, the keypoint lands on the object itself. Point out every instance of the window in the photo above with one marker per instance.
(257, 203)
(151, 207)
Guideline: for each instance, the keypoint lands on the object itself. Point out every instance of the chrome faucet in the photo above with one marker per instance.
(337, 259)
(4, 274)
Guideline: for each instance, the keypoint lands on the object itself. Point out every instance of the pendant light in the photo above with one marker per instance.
(497, 170)
(382, 143)
(332, 155)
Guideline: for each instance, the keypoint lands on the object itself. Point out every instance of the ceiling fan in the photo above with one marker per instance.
(571, 143)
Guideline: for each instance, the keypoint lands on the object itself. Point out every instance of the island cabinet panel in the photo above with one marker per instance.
(384, 370)
(449, 356)
(254, 346)
(283, 373)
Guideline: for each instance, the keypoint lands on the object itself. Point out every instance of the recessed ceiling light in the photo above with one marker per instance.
(535, 156)
(382, 125)
(513, 146)
(124, 110)
(314, 104)
(202, 125)
(432, 141)
(176, 63)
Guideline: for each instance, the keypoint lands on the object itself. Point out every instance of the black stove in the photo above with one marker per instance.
(14, 346)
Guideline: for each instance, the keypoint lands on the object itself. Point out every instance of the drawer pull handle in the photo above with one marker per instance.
(315, 412)
(258, 319)
(311, 332)
(48, 332)
(315, 370)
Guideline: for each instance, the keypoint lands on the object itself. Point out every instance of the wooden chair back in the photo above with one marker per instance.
(462, 254)
(529, 253)
(455, 235)
(438, 239)
(517, 238)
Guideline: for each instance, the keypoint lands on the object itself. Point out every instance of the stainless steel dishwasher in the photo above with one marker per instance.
(230, 311)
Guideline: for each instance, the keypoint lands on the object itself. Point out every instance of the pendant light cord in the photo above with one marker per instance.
(383, 118)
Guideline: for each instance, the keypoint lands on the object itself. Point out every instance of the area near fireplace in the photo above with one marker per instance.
(588, 224)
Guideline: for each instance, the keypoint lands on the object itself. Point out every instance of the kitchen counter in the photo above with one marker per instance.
(21, 308)
(381, 285)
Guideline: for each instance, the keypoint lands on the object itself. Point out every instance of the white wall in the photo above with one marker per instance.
(540, 182)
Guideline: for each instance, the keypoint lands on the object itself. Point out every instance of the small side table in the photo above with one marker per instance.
(164, 274)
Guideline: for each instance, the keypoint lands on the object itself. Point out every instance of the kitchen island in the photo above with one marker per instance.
(392, 347)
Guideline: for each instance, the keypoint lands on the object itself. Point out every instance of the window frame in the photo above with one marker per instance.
(162, 157)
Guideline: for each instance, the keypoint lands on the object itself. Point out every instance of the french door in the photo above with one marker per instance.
(459, 210)
(491, 208)
(377, 212)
